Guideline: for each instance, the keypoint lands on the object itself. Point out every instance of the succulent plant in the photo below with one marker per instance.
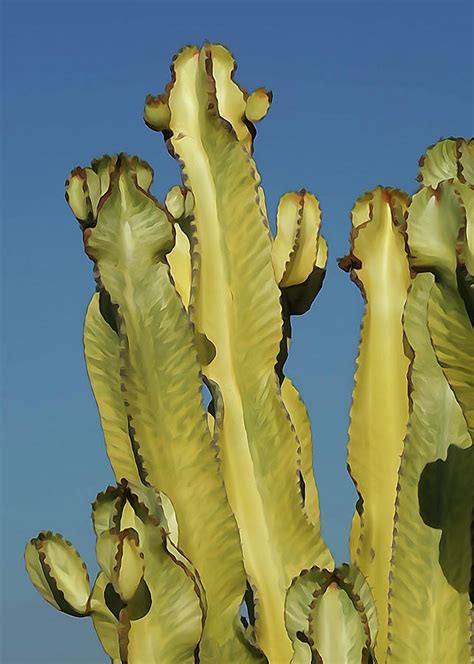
(217, 506)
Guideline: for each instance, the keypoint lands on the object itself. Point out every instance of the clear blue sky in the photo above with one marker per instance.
(360, 89)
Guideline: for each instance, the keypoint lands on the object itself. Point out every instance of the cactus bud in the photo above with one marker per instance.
(143, 172)
(157, 112)
(77, 195)
(295, 249)
(258, 104)
(58, 573)
(130, 566)
(179, 202)
(84, 189)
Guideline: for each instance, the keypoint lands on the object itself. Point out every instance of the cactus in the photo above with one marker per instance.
(147, 602)
(218, 506)
(410, 437)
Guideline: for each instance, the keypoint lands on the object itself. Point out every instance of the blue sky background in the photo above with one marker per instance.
(360, 90)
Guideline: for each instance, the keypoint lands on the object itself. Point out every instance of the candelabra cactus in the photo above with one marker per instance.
(410, 438)
(218, 506)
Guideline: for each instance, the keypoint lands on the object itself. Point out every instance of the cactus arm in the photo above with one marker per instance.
(336, 629)
(102, 354)
(433, 623)
(289, 219)
(302, 256)
(171, 630)
(58, 573)
(300, 596)
(232, 98)
(235, 105)
(440, 162)
(179, 204)
(331, 617)
(128, 243)
(435, 222)
(149, 605)
(300, 420)
(452, 160)
(466, 159)
(299, 255)
(467, 197)
(454, 346)
(449, 166)
(299, 251)
(236, 307)
(379, 411)
(448, 159)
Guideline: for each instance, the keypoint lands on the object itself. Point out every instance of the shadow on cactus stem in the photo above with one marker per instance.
(441, 489)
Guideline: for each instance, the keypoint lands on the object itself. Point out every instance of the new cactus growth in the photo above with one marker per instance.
(218, 506)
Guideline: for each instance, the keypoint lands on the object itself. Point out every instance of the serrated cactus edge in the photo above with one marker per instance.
(216, 506)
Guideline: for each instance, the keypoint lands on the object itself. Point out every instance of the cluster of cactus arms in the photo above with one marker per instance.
(216, 506)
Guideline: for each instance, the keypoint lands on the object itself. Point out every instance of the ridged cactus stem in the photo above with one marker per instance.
(156, 393)
(379, 412)
(235, 308)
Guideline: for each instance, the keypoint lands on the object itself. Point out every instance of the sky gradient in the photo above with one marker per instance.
(360, 90)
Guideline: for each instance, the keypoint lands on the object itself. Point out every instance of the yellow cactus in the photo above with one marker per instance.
(215, 507)
(235, 308)
(412, 411)
(58, 573)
